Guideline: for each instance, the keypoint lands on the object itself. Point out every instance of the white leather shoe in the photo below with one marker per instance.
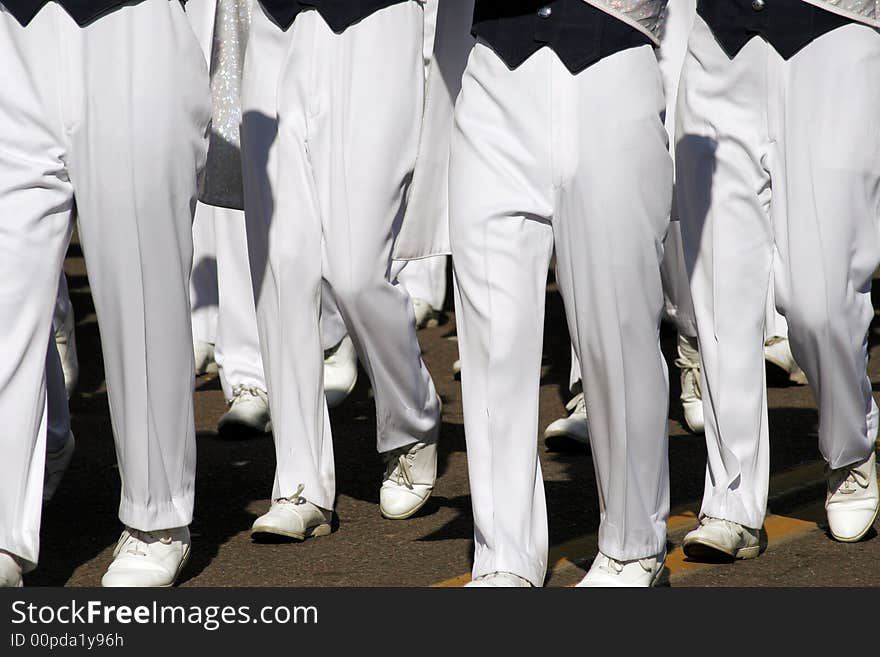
(718, 538)
(852, 500)
(56, 465)
(569, 431)
(10, 571)
(607, 572)
(456, 368)
(499, 580)
(777, 350)
(426, 316)
(65, 342)
(340, 372)
(688, 362)
(292, 517)
(410, 473)
(203, 352)
(248, 414)
(152, 559)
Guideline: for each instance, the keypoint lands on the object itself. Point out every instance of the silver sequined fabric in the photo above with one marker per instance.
(645, 15)
(864, 11)
(222, 182)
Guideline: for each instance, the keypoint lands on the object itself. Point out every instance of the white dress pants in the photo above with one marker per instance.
(543, 157)
(223, 310)
(676, 287)
(670, 56)
(107, 122)
(326, 171)
(425, 279)
(779, 184)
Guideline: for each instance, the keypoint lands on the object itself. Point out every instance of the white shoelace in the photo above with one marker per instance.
(398, 467)
(688, 367)
(855, 480)
(296, 498)
(611, 565)
(241, 391)
(137, 541)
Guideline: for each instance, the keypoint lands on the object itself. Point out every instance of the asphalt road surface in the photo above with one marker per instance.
(80, 526)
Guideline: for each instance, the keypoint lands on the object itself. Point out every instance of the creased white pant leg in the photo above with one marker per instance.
(284, 246)
(670, 56)
(332, 325)
(204, 297)
(203, 288)
(723, 197)
(137, 141)
(501, 202)
(531, 161)
(426, 279)
(58, 420)
(237, 349)
(328, 207)
(614, 189)
(36, 201)
(362, 155)
(825, 166)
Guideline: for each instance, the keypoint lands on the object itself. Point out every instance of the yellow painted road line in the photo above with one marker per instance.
(779, 528)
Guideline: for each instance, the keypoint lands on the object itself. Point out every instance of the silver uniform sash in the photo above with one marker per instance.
(645, 15)
(863, 11)
(222, 183)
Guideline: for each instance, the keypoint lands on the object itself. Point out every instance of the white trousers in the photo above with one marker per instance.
(223, 310)
(779, 184)
(326, 171)
(670, 56)
(108, 121)
(425, 279)
(543, 157)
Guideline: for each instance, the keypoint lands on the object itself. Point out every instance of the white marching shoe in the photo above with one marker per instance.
(777, 350)
(852, 500)
(292, 517)
(248, 413)
(410, 473)
(610, 573)
(203, 352)
(688, 362)
(148, 559)
(56, 466)
(340, 372)
(569, 431)
(498, 580)
(10, 571)
(426, 316)
(718, 538)
(65, 342)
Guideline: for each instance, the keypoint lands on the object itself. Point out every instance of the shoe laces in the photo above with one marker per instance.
(577, 405)
(610, 565)
(296, 498)
(615, 567)
(398, 466)
(137, 541)
(851, 480)
(241, 392)
(692, 370)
